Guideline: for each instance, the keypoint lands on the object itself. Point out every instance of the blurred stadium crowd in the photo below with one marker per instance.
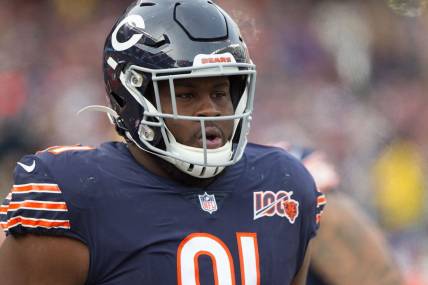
(345, 77)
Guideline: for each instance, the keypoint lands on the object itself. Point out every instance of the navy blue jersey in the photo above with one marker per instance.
(250, 226)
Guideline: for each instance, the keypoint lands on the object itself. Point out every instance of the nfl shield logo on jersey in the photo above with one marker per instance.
(208, 203)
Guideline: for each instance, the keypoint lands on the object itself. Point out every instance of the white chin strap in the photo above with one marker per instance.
(218, 156)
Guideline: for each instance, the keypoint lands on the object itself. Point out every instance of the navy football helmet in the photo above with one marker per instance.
(166, 40)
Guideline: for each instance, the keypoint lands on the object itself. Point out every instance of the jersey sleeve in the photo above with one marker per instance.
(35, 203)
(321, 201)
(314, 207)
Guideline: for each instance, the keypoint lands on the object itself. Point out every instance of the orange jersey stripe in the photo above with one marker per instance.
(321, 200)
(33, 223)
(318, 217)
(36, 187)
(38, 205)
(3, 225)
(3, 209)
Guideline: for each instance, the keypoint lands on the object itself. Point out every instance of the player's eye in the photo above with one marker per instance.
(219, 94)
(184, 96)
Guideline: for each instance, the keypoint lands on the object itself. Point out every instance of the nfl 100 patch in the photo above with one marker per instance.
(269, 204)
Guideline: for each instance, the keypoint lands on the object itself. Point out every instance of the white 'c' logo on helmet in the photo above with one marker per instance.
(133, 20)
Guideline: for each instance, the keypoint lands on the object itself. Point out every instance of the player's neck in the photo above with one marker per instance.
(162, 168)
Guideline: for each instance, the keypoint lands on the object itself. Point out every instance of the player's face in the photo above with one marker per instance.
(201, 97)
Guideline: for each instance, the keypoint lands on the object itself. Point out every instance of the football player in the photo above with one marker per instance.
(185, 200)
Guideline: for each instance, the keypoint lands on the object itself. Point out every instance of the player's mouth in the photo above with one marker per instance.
(215, 138)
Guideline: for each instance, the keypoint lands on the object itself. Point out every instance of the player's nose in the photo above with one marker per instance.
(207, 107)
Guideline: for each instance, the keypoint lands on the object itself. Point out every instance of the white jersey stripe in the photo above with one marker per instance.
(37, 191)
(38, 201)
(38, 209)
(35, 184)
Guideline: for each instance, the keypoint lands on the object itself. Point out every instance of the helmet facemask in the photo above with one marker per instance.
(153, 133)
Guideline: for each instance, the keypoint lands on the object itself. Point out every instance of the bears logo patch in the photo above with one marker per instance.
(269, 204)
